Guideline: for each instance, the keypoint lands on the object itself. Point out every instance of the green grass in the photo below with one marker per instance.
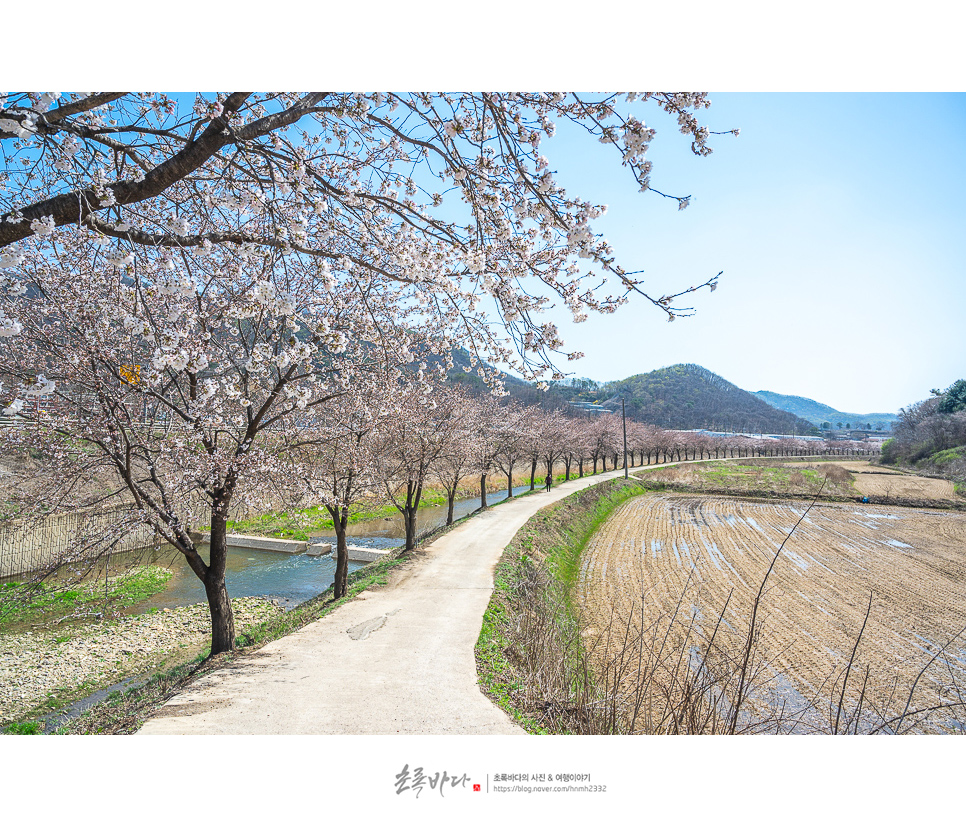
(23, 728)
(496, 674)
(25, 604)
(300, 524)
(556, 537)
(286, 524)
(947, 456)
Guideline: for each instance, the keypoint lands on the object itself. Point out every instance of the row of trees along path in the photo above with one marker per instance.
(397, 659)
(216, 304)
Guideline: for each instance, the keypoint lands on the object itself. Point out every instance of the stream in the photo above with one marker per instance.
(291, 579)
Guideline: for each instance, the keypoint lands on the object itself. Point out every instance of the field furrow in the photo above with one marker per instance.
(679, 557)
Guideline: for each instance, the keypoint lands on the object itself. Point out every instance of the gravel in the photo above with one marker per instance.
(34, 665)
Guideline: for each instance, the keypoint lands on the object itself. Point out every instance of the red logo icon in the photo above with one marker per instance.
(476, 787)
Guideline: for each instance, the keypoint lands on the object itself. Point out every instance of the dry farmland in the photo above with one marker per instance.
(881, 482)
(839, 479)
(686, 553)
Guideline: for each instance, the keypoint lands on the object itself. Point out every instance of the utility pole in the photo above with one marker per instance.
(624, 422)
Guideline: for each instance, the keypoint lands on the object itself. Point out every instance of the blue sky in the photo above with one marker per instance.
(838, 222)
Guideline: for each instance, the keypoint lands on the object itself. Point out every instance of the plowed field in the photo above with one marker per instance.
(696, 549)
(880, 482)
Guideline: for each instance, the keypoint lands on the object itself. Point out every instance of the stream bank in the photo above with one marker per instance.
(43, 669)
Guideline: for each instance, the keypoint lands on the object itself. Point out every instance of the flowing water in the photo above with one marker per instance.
(291, 578)
(288, 578)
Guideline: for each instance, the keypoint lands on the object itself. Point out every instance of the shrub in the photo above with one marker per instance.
(890, 451)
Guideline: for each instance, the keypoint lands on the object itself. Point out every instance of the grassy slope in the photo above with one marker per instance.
(554, 538)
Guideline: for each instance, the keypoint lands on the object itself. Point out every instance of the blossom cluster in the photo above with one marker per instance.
(362, 183)
(193, 333)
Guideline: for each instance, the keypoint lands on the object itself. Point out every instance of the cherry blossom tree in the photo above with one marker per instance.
(574, 449)
(532, 444)
(189, 281)
(638, 440)
(555, 437)
(603, 438)
(487, 417)
(509, 430)
(458, 458)
(413, 435)
(341, 471)
(188, 389)
(445, 192)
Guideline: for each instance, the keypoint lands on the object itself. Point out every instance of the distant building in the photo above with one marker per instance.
(750, 436)
(593, 408)
(863, 434)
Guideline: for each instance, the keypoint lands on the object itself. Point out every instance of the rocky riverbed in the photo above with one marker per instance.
(37, 664)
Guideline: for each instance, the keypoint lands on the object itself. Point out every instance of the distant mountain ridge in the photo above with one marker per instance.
(684, 396)
(818, 413)
(692, 397)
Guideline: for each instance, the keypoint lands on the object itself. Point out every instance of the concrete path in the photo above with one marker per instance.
(397, 659)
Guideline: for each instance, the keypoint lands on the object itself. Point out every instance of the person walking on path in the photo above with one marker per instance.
(549, 481)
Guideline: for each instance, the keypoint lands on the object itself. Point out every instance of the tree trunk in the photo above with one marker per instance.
(341, 584)
(533, 474)
(567, 469)
(483, 491)
(219, 603)
(451, 497)
(509, 481)
(409, 517)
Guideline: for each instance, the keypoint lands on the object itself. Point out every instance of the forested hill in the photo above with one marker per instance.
(470, 380)
(819, 413)
(691, 397)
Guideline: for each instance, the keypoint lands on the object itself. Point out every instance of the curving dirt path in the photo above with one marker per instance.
(398, 659)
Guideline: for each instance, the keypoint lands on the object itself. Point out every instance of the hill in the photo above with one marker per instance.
(818, 413)
(931, 435)
(676, 397)
(472, 381)
(691, 397)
